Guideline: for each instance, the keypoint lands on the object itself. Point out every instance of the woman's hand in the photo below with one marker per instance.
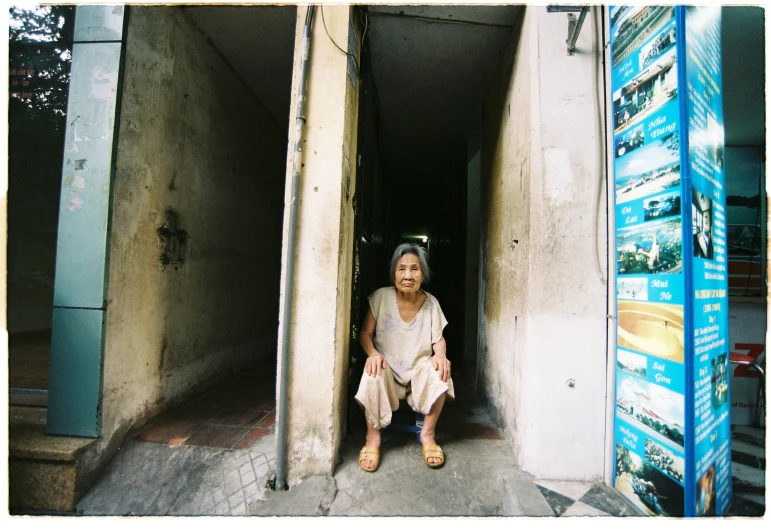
(441, 364)
(374, 364)
(439, 359)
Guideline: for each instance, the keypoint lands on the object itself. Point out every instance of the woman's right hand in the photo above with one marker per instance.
(374, 365)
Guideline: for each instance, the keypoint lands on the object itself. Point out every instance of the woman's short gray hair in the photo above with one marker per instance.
(417, 250)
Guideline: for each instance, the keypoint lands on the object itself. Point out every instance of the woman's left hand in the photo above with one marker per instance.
(441, 364)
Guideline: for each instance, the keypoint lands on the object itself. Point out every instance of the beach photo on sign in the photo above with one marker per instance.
(719, 381)
(647, 92)
(662, 206)
(702, 225)
(632, 288)
(651, 169)
(705, 493)
(665, 460)
(631, 363)
(647, 487)
(650, 248)
(630, 25)
(630, 141)
(652, 328)
(652, 409)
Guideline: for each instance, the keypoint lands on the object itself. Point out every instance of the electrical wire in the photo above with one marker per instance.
(349, 54)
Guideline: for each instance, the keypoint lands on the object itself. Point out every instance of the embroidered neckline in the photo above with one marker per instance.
(396, 301)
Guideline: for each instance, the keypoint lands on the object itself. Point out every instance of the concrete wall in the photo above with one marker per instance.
(194, 140)
(543, 284)
(319, 344)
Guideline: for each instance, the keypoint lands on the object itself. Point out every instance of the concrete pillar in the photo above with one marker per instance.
(544, 286)
(320, 320)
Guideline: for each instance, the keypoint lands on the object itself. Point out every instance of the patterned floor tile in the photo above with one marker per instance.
(558, 503)
(582, 509)
(251, 436)
(217, 436)
(171, 432)
(605, 499)
(572, 489)
(268, 421)
(239, 417)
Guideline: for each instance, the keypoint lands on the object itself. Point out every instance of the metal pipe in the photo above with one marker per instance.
(576, 30)
(281, 421)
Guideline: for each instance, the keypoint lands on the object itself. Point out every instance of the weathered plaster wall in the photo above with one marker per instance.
(543, 308)
(319, 346)
(192, 139)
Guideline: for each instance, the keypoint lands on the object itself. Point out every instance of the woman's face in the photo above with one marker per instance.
(408, 276)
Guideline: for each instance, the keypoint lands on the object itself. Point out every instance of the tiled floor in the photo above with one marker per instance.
(233, 416)
(576, 498)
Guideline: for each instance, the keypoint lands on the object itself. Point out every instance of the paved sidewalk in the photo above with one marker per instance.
(215, 456)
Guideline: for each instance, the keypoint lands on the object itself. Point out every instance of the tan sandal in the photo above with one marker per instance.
(369, 454)
(435, 451)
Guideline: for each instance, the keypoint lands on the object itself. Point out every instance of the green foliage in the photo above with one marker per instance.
(40, 54)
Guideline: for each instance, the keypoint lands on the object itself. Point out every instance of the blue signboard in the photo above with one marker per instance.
(672, 426)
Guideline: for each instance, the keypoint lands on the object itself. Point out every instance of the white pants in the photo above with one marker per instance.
(380, 395)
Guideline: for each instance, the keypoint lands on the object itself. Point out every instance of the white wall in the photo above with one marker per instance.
(543, 309)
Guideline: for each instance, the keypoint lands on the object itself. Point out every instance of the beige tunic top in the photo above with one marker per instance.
(404, 344)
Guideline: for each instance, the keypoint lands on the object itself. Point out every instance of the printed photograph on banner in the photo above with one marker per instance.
(660, 44)
(652, 169)
(662, 206)
(630, 141)
(705, 493)
(632, 363)
(702, 226)
(652, 328)
(632, 288)
(665, 460)
(647, 487)
(652, 409)
(647, 92)
(719, 381)
(632, 25)
(651, 248)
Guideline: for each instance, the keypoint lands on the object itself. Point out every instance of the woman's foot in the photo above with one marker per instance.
(427, 438)
(372, 441)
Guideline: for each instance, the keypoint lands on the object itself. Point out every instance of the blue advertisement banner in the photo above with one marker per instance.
(672, 425)
(711, 479)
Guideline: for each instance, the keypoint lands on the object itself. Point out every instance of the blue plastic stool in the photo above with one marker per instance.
(409, 428)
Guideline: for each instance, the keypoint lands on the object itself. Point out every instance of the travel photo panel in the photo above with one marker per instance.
(672, 424)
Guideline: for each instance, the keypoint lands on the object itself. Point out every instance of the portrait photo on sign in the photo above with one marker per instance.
(650, 248)
(648, 488)
(705, 493)
(651, 327)
(702, 225)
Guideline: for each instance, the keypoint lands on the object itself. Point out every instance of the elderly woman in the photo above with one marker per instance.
(406, 356)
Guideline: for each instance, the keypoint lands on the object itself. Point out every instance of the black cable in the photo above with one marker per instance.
(355, 62)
